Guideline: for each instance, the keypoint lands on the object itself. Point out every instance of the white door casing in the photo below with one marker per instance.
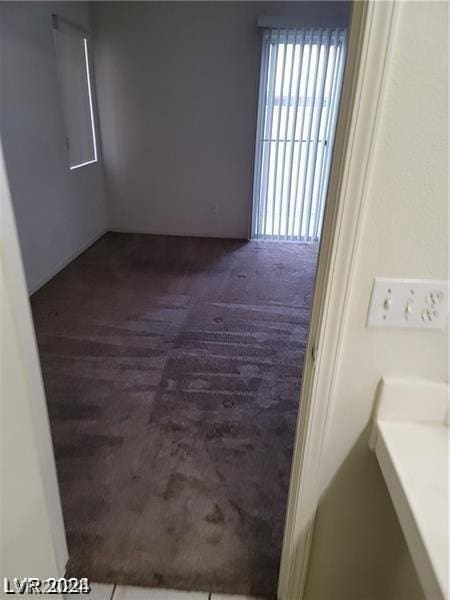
(370, 40)
(33, 540)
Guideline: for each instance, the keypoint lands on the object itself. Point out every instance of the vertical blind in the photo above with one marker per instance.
(300, 84)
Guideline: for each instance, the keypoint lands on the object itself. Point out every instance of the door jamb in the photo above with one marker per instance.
(370, 42)
(15, 290)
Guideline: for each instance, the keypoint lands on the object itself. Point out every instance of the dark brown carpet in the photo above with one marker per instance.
(172, 370)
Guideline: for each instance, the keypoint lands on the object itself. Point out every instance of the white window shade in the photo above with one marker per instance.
(76, 94)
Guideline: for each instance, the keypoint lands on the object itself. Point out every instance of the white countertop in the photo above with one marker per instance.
(411, 441)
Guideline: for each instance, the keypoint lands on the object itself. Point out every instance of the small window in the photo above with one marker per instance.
(72, 50)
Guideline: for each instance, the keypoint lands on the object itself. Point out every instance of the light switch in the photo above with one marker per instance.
(415, 303)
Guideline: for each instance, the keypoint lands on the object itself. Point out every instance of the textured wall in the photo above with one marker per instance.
(177, 87)
(358, 548)
(58, 211)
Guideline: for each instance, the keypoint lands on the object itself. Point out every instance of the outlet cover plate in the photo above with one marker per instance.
(409, 303)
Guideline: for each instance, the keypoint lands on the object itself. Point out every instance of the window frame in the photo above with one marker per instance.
(64, 26)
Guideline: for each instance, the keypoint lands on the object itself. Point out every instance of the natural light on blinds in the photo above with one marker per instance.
(300, 82)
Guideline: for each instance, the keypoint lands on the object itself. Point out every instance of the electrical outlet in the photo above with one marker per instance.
(409, 303)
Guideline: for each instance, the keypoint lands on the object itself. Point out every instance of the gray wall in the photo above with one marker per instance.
(58, 212)
(177, 88)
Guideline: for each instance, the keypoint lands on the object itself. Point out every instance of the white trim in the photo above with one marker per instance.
(64, 263)
(366, 71)
(91, 104)
(149, 231)
(89, 162)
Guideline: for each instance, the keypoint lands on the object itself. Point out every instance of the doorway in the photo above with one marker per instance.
(141, 328)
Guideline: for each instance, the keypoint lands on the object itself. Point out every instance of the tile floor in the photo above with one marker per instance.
(102, 591)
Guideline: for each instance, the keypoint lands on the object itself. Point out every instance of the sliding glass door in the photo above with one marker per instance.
(300, 84)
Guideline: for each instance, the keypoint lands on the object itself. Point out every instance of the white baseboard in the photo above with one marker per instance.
(66, 262)
(80, 250)
(167, 233)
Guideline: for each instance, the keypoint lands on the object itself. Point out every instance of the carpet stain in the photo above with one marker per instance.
(216, 515)
(172, 372)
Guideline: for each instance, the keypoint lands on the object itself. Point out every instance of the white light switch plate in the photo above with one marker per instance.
(409, 303)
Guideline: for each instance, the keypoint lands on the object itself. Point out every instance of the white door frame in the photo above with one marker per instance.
(44, 490)
(370, 41)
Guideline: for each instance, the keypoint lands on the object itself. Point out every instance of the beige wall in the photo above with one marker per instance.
(358, 550)
(177, 89)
